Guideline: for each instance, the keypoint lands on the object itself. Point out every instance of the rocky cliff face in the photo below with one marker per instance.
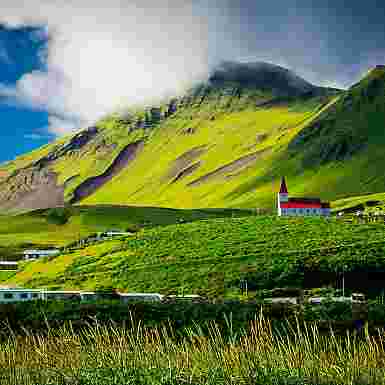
(75, 143)
(32, 187)
(35, 186)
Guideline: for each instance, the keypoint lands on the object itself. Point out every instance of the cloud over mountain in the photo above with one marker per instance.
(101, 57)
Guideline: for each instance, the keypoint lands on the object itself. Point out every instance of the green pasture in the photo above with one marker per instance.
(34, 228)
(210, 256)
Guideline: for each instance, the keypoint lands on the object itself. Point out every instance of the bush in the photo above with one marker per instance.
(376, 311)
(58, 215)
(328, 310)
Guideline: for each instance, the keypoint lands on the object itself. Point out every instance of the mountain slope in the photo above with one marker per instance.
(225, 143)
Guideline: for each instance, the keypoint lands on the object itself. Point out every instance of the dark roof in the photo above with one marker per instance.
(283, 189)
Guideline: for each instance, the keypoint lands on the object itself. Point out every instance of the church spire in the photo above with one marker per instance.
(283, 189)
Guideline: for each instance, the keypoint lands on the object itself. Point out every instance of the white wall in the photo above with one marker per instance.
(17, 296)
(301, 212)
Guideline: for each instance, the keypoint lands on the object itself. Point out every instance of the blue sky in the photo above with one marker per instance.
(22, 128)
(63, 67)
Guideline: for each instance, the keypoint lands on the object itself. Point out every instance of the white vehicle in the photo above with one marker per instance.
(137, 297)
(289, 300)
(318, 300)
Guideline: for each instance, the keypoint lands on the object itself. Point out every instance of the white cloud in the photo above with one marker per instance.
(102, 56)
(61, 126)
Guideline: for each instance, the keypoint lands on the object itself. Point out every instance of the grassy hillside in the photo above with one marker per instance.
(227, 145)
(210, 256)
(341, 152)
(34, 228)
(370, 203)
(222, 136)
(201, 155)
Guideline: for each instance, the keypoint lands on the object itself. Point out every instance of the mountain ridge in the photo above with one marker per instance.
(298, 129)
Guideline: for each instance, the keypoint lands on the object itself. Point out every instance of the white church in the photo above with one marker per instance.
(300, 206)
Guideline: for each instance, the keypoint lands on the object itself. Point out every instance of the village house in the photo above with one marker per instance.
(148, 297)
(34, 254)
(300, 206)
(116, 233)
(8, 265)
(12, 294)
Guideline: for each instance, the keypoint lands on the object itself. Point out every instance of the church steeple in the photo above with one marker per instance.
(283, 195)
(283, 189)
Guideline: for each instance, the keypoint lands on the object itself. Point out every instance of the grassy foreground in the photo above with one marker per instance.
(135, 355)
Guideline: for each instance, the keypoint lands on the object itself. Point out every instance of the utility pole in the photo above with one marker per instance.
(343, 280)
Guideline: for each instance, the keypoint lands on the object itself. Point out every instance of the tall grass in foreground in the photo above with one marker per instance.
(134, 355)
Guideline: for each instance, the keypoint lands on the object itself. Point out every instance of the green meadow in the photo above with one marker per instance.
(209, 257)
(34, 228)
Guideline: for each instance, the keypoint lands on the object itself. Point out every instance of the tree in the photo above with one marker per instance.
(58, 215)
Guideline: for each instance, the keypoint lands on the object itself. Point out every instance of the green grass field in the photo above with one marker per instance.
(33, 227)
(209, 256)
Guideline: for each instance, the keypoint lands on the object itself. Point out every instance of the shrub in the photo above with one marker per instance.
(58, 215)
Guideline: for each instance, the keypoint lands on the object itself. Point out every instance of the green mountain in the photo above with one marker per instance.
(225, 143)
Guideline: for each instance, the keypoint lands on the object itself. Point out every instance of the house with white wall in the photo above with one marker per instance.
(34, 254)
(15, 295)
(8, 265)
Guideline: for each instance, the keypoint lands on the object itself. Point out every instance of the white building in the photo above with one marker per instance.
(8, 294)
(33, 254)
(117, 233)
(15, 295)
(8, 265)
(132, 297)
(300, 206)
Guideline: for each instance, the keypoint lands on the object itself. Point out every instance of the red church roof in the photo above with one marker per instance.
(283, 189)
(300, 205)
